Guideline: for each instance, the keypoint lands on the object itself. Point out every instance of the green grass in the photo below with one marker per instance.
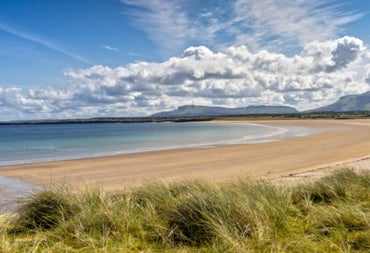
(330, 215)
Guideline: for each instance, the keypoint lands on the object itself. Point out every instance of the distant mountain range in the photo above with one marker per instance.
(196, 110)
(360, 102)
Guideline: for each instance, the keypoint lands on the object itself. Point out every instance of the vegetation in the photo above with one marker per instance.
(330, 215)
(266, 116)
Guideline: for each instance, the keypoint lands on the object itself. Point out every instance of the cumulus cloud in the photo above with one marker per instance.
(367, 77)
(332, 55)
(321, 73)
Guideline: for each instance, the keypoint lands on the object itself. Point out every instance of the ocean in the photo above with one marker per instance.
(50, 142)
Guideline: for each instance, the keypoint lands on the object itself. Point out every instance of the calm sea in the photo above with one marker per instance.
(32, 143)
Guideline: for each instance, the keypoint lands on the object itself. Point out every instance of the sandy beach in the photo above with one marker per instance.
(342, 142)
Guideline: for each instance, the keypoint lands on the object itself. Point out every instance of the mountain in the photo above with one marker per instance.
(196, 110)
(350, 103)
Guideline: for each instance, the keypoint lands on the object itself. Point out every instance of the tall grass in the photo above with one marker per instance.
(330, 215)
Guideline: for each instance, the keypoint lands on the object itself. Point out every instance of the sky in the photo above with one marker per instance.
(122, 58)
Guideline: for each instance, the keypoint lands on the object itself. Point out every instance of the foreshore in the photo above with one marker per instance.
(341, 142)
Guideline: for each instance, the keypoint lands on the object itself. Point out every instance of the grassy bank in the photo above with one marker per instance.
(330, 215)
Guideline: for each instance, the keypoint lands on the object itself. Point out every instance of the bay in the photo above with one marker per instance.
(48, 142)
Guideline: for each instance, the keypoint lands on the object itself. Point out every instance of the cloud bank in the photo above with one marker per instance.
(235, 77)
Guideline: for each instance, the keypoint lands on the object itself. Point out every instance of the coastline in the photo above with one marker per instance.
(163, 137)
(343, 142)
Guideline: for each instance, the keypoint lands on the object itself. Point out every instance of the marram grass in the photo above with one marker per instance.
(329, 215)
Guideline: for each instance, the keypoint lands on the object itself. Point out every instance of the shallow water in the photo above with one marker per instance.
(12, 190)
(34, 143)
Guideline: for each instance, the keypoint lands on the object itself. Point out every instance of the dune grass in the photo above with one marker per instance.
(330, 215)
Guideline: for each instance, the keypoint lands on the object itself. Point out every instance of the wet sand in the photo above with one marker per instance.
(342, 142)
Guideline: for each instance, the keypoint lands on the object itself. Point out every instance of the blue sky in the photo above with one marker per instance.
(88, 58)
(43, 38)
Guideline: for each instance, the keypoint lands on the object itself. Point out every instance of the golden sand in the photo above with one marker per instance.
(343, 141)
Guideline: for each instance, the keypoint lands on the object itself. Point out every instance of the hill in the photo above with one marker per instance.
(196, 110)
(350, 103)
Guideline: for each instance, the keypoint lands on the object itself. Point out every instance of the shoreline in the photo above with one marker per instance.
(276, 133)
(344, 141)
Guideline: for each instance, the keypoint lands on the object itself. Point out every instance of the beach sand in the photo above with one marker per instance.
(343, 142)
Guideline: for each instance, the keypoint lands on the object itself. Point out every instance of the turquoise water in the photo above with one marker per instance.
(32, 143)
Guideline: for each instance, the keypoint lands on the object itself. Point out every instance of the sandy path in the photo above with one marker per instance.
(344, 141)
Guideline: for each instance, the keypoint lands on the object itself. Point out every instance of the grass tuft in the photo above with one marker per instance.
(45, 210)
(342, 184)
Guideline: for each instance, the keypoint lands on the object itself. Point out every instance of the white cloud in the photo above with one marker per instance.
(109, 48)
(161, 20)
(278, 25)
(367, 76)
(236, 77)
(285, 21)
(332, 55)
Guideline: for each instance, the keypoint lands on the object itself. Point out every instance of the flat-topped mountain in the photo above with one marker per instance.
(196, 110)
(350, 103)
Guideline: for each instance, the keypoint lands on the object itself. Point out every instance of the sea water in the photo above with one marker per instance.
(50, 142)
(47, 142)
